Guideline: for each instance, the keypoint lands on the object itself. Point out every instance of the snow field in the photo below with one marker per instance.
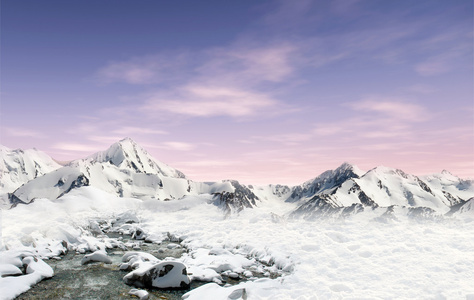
(354, 259)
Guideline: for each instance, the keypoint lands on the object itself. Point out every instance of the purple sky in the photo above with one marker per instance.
(259, 91)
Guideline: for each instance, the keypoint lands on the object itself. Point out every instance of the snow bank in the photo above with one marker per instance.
(36, 270)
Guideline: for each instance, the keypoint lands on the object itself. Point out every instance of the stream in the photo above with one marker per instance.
(72, 280)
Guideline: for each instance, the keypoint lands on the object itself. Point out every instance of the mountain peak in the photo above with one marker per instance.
(127, 154)
(127, 140)
(345, 166)
(446, 172)
(117, 152)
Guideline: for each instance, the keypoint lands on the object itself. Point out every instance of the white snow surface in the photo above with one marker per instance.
(357, 258)
(36, 270)
(17, 167)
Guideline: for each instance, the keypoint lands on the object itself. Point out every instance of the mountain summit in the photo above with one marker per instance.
(126, 154)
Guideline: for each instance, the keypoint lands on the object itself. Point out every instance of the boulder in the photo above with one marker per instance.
(163, 275)
(97, 256)
(142, 294)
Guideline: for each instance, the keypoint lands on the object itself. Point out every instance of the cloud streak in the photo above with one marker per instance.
(207, 101)
(392, 108)
(23, 132)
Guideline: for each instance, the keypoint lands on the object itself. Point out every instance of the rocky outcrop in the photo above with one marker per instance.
(242, 197)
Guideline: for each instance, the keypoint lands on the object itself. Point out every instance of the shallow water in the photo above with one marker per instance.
(72, 280)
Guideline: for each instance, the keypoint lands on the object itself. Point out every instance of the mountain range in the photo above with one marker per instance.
(127, 170)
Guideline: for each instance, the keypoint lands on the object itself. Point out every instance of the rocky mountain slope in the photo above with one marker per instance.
(127, 170)
(17, 167)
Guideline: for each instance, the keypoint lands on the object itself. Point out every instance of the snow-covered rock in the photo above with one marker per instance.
(97, 256)
(168, 274)
(12, 285)
(141, 294)
(214, 291)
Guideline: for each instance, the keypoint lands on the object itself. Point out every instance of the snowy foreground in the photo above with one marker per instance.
(355, 258)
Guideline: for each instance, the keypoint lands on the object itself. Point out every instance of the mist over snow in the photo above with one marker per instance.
(346, 233)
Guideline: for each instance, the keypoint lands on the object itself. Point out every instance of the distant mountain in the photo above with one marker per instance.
(327, 182)
(127, 170)
(467, 207)
(238, 198)
(128, 155)
(346, 190)
(17, 167)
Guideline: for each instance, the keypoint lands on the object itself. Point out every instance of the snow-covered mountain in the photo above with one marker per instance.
(467, 207)
(20, 166)
(348, 187)
(127, 170)
(328, 181)
(17, 167)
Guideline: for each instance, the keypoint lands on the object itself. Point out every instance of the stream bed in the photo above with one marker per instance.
(72, 280)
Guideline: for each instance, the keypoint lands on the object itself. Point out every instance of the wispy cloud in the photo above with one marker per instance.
(171, 145)
(22, 132)
(205, 101)
(222, 81)
(434, 66)
(238, 64)
(376, 118)
(391, 107)
(133, 131)
(180, 146)
(289, 139)
(206, 163)
(149, 69)
(421, 89)
(76, 147)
